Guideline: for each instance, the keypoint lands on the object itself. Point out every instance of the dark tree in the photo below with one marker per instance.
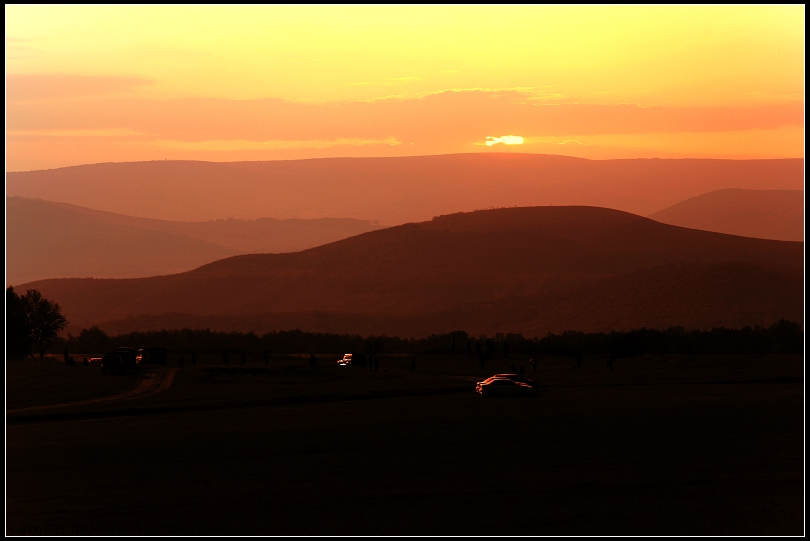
(18, 334)
(93, 340)
(45, 320)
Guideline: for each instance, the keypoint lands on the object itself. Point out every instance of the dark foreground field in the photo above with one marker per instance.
(661, 445)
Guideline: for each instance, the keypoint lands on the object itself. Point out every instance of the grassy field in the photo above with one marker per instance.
(660, 445)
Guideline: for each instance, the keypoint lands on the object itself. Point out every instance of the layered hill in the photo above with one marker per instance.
(764, 214)
(393, 190)
(45, 239)
(530, 270)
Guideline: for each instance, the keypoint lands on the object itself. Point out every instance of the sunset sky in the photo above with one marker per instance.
(94, 84)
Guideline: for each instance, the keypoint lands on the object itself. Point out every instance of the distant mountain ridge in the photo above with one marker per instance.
(764, 214)
(45, 239)
(393, 190)
(530, 270)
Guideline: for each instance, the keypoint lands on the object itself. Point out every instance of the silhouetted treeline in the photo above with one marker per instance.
(32, 322)
(781, 337)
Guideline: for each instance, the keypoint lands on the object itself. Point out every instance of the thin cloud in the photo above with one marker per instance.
(227, 145)
(40, 86)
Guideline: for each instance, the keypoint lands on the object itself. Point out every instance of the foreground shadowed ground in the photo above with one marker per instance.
(661, 445)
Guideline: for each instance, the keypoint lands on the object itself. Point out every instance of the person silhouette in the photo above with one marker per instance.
(67, 356)
(413, 364)
(610, 361)
(85, 363)
(312, 361)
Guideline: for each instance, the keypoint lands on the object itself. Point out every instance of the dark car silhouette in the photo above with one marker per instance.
(128, 356)
(496, 386)
(151, 356)
(520, 379)
(112, 362)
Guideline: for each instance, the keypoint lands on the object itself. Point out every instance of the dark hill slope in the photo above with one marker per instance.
(393, 190)
(485, 268)
(55, 240)
(764, 214)
(45, 239)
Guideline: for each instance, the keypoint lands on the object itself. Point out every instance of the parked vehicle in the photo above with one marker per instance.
(128, 356)
(519, 378)
(112, 363)
(346, 360)
(495, 386)
(151, 356)
(355, 359)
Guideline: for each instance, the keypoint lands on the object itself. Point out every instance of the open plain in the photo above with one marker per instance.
(701, 444)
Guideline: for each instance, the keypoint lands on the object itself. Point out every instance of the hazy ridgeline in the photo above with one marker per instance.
(781, 337)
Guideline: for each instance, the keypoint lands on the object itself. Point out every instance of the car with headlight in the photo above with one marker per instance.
(520, 378)
(346, 360)
(496, 386)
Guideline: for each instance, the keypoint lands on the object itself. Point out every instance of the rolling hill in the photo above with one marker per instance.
(530, 270)
(764, 214)
(57, 240)
(393, 190)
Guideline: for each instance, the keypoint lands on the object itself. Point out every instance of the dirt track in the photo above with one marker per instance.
(153, 381)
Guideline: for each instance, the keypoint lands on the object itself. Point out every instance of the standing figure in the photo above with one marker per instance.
(312, 361)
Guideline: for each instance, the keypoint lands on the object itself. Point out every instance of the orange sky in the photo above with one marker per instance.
(93, 84)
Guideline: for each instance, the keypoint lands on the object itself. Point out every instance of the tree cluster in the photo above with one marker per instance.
(32, 321)
(781, 337)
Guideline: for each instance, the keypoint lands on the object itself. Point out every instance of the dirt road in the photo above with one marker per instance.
(154, 380)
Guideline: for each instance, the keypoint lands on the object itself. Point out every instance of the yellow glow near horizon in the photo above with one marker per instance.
(275, 82)
(506, 140)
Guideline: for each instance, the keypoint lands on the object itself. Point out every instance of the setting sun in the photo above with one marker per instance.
(506, 140)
